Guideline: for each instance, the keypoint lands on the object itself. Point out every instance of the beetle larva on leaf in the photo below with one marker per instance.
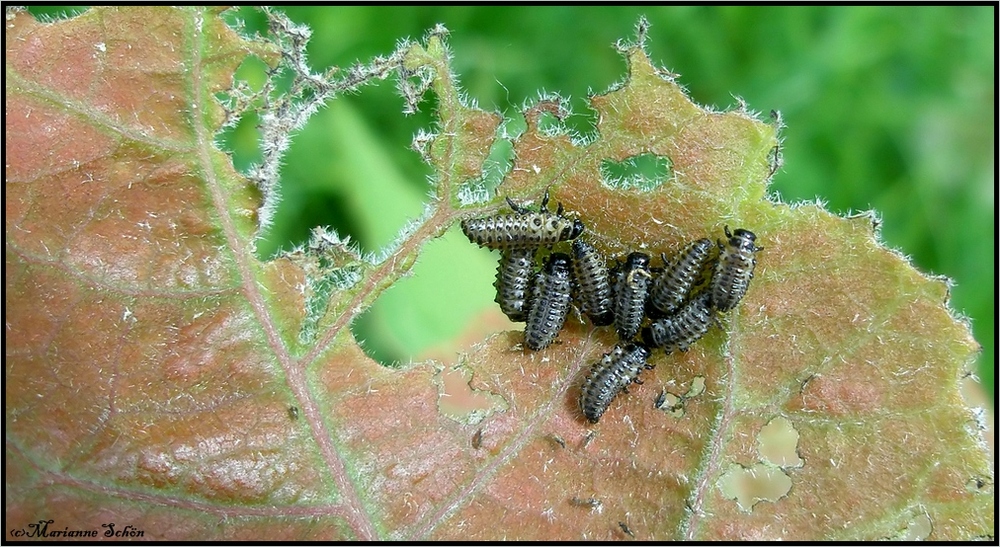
(592, 283)
(734, 270)
(673, 287)
(550, 299)
(631, 288)
(525, 229)
(679, 331)
(513, 282)
(609, 377)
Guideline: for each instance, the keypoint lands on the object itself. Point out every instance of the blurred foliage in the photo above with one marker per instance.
(887, 108)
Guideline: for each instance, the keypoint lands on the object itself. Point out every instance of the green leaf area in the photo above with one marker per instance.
(159, 375)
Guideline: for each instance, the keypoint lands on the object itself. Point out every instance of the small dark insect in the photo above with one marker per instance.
(593, 288)
(550, 298)
(513, 282)
(683, 329)
(625, 528)
(660, 399)
(558, 440)
(734, 270)
(477, 439)
(525, 229)
(293, 412)
(609, 377)
(673, 286)
(631, 288)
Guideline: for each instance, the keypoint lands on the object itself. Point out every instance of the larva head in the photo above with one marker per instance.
(557, 262)
(637, 261)
(742, 239)
(639, 349)
(572, 231)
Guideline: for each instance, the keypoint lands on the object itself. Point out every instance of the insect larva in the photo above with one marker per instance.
(660, 399)
(734, 270)
(671, 288)
(550, 298)
(525, 229)
(593, 288)
(513, 282)
(631, 289)
(609, 377)
(477, 439)
(683, 329)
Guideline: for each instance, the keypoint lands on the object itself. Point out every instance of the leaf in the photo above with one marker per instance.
(159, 376)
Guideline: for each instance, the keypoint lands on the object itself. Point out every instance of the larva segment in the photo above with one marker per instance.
(513, 283)
(673, 287)
(550, 299)
(734, 270)
(524, 229)
(610, 376)
(592, 283)
(631, 288)
(679, 331)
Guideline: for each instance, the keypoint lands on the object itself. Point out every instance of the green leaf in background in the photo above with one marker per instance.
(887, 108)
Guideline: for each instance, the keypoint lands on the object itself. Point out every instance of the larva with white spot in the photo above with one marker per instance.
(550, 299)
(734, 270)
(631, 288)
(525, 229)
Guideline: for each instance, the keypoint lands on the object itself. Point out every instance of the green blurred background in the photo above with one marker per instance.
(886, 108)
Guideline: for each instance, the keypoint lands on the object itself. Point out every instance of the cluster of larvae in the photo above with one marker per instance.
(670, 307)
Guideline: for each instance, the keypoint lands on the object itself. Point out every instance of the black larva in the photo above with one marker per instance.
(609, 377)
(525, 229)
(513, 282)
(550, 299)
(679, 331)
(673, 287)
(591, 283)
(734, 270)
(631, 288)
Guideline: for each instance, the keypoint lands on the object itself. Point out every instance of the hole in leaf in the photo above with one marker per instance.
(54, 13)
(550, 124)
(979, 485)
(917, 529)
(496, 165)
(748, 486)
(644, 172)
(672, 404)
(778, 443)
(460, 402)
(372, 183)
(441, 309)
(697, 387)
